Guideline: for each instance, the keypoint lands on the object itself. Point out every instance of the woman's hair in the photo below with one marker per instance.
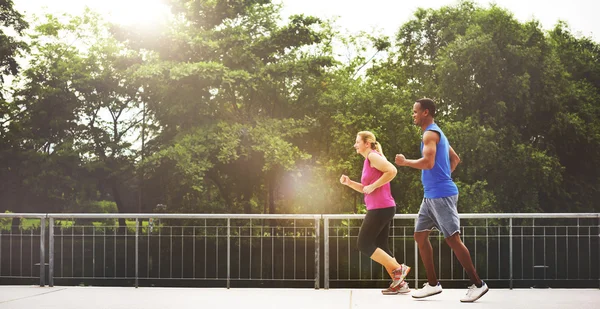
(369, 137)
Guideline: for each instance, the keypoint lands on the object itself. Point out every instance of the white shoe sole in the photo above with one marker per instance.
(470, 301)
(419, 297)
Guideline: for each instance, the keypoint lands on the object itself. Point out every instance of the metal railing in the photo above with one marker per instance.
(511, 249)
(521, 249)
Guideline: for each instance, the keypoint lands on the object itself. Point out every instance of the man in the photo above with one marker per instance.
(438, 208)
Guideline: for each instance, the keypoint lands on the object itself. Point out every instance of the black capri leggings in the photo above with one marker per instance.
(374, 231)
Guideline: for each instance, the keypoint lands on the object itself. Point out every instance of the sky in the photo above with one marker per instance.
(379, 16)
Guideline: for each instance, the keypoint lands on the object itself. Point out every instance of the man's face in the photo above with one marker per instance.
(418, 114)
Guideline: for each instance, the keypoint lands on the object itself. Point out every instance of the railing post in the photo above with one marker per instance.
(510, 233)
(51, 254)
(137, 246)
(317, 252)
(228, 252)
(416, 261)
(42, 251)
(326, 251)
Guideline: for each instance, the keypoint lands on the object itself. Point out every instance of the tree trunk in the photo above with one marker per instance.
(120, 207)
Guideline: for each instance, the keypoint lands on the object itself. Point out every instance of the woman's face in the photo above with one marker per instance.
(361, 146)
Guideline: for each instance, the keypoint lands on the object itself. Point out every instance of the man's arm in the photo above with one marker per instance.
(454, 159)
(430, 140)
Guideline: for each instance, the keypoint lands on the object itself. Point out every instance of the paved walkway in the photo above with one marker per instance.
(30, 297)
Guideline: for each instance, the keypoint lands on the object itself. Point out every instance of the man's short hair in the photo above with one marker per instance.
(429, 104)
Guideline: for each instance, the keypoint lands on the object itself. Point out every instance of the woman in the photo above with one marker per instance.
(374, 232)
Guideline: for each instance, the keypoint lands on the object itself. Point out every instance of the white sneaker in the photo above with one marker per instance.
(474, 293)
(427, 290)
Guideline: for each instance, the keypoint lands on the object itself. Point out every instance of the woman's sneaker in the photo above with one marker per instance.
(427, 290)
(399, 275)
(402, 288)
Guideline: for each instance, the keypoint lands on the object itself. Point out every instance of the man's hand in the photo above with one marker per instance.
(400, 160)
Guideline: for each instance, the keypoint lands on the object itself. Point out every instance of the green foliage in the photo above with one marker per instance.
(244, 112)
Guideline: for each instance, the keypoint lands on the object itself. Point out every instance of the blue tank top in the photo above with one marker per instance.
(437, 182)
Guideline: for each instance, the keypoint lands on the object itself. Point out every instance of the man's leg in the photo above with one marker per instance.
(426, 253)
(464, 257)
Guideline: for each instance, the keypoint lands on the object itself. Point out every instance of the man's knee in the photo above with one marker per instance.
(421, 236)
(454, 239)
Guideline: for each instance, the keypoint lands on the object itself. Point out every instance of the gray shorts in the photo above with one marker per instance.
(440, 213)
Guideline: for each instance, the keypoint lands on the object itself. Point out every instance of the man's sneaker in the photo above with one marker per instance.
(402, 288)
(474, 293)
(427, 290)
(399, 275)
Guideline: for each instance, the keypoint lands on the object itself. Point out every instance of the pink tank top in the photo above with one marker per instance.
(380, 197)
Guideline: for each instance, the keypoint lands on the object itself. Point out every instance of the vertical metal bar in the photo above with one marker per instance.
(83, 251)
(10, 242)
(567, 250)
(115, 251)
(349, 236)
(317, 252)
(217, 250)
(239, 252)
(544, 240)
(262, 233)
(578, 259)
(487, 249)
(228, 252)
(305, 253)
(148, 232)
(137, 248)
(1, 252)
(522, 258)
(21, 252)
(194, 252)
(42, 251)
(251, 234)
(510, 257)
(103, 251)
(404, 245)
(182, 244)
(533, 249)
(73, 248)
(160, 247)
(475, 241)
(30, 252)
(326, 252)
(590, 252)
(416, 261)
(205, 247)
(125, 248)
(170, 252)
(295, 236)
(272, 252)
(51, 253)
(439, 257)
(62, 252)
(499, 240)
(93, 251)
(337, 253)
(555, 253)
(283, 249)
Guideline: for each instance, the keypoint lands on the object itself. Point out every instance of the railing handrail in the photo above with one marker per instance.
(158, 216)
(286, 216)
(481, 216)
